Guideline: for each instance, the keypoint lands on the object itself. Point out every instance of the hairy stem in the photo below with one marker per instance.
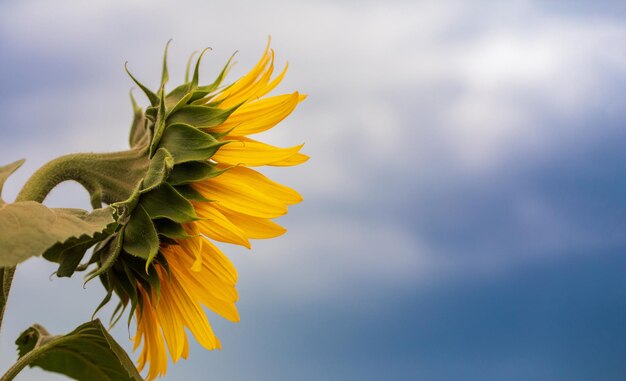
(31, 356)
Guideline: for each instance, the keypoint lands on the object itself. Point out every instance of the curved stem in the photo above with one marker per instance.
(30, 357)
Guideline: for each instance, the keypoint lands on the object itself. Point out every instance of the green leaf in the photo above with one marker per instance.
(30, 229)
(201, 116)
(166, 202)
(140, 236)
(88, 353)
(192, 172)
(7, 171)
(139, 134)
(187, 143)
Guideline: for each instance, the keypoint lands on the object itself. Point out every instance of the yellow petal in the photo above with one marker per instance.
(189, 311)
(258, 116)
(251, 92)
(247, 80)
(148, 329)
(195, 283)
(270, 86)
(171, 323)
(213, 280)
(296, 159)
(249, 152)
(217, 226)
(242, 198)
(238, 176)
(254, 227)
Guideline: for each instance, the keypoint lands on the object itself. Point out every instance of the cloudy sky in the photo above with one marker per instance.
(464, 209)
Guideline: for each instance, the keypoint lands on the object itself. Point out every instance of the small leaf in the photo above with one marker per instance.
(140, 237)
(192, 172)
(166, 202)
(30, 229)
(88, 353)
(187, 143)
(7, 171)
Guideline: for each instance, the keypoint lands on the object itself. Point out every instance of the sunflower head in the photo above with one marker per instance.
(199, 186)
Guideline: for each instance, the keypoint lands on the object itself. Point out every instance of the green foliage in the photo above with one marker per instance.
(88, 353)
(30, 229)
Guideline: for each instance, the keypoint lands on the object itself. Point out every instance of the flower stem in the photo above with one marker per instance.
(32, 356)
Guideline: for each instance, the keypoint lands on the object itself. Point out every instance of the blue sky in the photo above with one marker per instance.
(464, 205)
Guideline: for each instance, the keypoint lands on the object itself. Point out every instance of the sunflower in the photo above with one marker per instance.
(208, 192)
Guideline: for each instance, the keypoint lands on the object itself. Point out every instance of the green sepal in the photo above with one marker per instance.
(165, 75)
(127, 282)
(190, 193)
(70, 258)
(182, 102)
(152, 97)
(201, 116)
(105, 281)
(145, 274)
(175, 96)
(202, 91)
(160, 166)
(187, 143)
(159, 125)
(140, 236)
(170, 229)
(196, 71)
(193, 171)
(88, 353)
(167, 202)
(117, 313)
(189, 65)
(138, 131)
(107, 255)
(6, 171)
